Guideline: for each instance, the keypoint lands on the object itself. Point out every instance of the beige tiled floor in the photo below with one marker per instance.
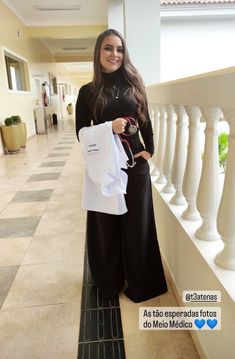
(39, 318)
(40, 315)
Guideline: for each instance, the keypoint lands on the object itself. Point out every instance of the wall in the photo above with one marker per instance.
(142, 34)
(191, 46)
(14, 37)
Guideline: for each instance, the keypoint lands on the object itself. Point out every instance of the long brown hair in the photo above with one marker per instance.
(130, 74)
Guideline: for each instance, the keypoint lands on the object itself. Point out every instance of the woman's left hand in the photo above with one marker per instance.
(145, 154)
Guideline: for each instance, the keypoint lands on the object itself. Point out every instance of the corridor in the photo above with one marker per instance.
(43, 293)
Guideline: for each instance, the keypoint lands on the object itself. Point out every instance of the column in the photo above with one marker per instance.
(180, 155)
(169, 150)
(161, 144)
(142, 33)
(209, 193)
(116, 15)
(193, 164)
(226, 220)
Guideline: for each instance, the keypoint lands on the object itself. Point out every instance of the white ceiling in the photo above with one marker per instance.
(71, 47)
(79, 67)
(79, 12)
(92, 12)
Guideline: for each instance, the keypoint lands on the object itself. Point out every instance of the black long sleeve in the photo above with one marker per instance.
(120, 106)
(147, 134)
(83, 111)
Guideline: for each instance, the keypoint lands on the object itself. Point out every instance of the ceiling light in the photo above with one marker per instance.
(62, 8)
(74, 48)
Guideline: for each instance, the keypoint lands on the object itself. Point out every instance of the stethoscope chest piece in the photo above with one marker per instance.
(132, 129)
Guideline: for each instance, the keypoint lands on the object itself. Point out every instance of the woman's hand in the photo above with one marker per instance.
(145, 154)
(119, 125)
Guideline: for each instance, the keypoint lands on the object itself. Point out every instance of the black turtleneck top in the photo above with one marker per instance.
(118, 105)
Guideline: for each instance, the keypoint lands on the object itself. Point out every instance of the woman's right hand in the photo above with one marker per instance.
(119, 125)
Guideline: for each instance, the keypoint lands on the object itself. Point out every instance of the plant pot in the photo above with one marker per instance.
(23, 132)
(11, 138)
(70, 109)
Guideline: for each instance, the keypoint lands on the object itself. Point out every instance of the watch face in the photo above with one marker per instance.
(132, 129)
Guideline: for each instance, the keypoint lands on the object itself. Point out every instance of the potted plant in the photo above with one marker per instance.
(23, 130)
(11, 135)
(70, 108)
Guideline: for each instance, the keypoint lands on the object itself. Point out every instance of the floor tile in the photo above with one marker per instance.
(7, 276)
(33, 196)
(53, 164)
(18, 227)
(43, 284)
(149, 344)
(139, 344)
(42, 170)
(6, 197)
(58, 155)
(68, 182)
(168, 300)
(63, 148)
(184, 345)
(64, 207)
(55, 248)
(39, 185)
(60, 223)
(13, 250)
(24, 209)
(45, 332)
(44, 177)
(13, 184)
(66, 194)
(66, 142)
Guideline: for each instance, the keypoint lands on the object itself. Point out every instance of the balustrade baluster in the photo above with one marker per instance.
(155, 116)
(209, 193)
(180, 155)
(226, 213)
(161, 144)
(193, 164)
(169, 150)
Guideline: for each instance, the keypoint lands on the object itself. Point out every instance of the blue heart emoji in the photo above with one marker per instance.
(199, 323)
(211, 323)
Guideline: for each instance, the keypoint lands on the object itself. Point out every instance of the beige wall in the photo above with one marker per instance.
(14, 36)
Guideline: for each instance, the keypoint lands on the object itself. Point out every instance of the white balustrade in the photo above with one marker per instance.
(209, 192)
(180, 155)
(226, 213)
(196, 180)
(156, 122)
(169, 150)
(162, 143)
(193, 164)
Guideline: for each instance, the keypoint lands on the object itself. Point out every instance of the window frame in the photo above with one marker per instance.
(24, 67)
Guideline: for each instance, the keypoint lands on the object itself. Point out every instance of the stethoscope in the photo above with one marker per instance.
(132, 128)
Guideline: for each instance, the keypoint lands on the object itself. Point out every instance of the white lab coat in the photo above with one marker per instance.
(104, 182)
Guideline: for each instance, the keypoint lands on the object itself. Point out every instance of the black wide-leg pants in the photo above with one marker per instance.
(125, 247)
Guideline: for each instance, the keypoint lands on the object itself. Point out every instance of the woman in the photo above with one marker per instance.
(122, 248)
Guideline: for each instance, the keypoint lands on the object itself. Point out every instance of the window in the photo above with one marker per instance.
(17, 73)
